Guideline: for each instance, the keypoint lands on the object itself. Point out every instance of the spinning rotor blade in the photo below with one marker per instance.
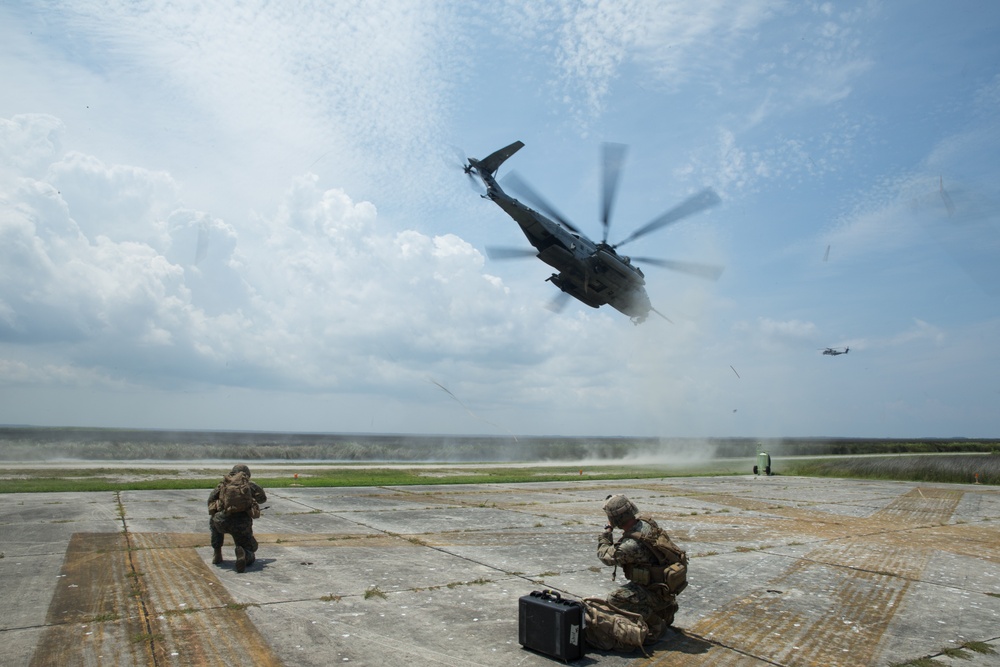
(613, 158)
(460, 160)
(694, 204)
(558, 302)
(500, 252)
(514, 182)
(473, 182)
(707, 271)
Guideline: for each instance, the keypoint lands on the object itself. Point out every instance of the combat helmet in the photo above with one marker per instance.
(240, 467)
(619, 509)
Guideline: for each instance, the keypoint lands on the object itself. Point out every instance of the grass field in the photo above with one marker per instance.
(967, 469)
(949, 468)
(125, 477)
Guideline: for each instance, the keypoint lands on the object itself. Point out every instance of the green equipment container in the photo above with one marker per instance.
(763, 466)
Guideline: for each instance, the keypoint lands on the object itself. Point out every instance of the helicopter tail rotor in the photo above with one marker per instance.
(458, 160)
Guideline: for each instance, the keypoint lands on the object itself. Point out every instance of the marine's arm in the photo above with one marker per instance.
(606, 548)
(258, 493)
(213, 499)
(628, 551)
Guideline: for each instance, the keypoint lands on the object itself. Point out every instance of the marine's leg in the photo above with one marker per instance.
(217, 540)
(638, 600)
(244, 539)
(631, 597)
(241, 560)
(664, 603)
(248, 544)
(667, 614)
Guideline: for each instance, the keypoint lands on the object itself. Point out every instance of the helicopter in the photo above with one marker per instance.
(593, 273)
(833, 352)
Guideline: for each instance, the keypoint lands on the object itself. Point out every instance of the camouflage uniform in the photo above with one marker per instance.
(237, 524)
(653, 601)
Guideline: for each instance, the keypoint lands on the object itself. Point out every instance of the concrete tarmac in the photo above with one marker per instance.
(784, 571)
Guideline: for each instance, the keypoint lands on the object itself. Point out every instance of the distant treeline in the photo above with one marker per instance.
(855, 446)
(963, 469)
(30, 443)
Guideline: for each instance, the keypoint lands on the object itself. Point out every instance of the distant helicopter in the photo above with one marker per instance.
(833, 352)
(593, 273)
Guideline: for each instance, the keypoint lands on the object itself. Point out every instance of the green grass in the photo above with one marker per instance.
(375, 592)
(110, 480)
(944, 468)
(960, 652)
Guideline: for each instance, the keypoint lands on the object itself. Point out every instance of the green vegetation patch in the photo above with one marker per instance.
(69, 481)
(980, 647)
(375, 592)
(943, 468)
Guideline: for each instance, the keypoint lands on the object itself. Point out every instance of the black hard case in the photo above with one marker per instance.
(550, 625)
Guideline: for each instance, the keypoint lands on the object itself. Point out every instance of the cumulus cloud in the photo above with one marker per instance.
(30, 141)
(104, 257)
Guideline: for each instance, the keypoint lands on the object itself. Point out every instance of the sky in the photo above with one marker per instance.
(252, 216)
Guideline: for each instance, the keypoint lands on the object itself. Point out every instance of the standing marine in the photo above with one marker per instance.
(233, 505)
(655, 567)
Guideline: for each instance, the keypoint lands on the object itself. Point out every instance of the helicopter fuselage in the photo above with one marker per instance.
(592, 273)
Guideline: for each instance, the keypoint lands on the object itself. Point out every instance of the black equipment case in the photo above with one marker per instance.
(550, 625)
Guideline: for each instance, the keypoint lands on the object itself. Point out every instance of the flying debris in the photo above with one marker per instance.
(826, 255)
(466, 408)
(946, 198)
(593, 273)
(833, 352)
(737, 375)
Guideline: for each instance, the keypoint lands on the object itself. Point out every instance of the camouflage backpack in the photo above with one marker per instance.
(671, 569)
(608, 628)
(236, 495)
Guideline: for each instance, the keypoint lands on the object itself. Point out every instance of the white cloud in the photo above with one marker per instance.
(29, 142)
(318, 295)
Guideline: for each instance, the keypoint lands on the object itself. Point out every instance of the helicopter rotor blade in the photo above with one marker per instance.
(661, 314)
(558, 302)
(503, 252)
(707, 271)
(612, 160)
(693, 204)
(514, 182)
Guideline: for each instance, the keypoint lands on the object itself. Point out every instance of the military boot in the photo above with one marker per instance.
(217, 556)
(241, 560)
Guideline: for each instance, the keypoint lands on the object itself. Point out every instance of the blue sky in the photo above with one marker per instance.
(251, 216)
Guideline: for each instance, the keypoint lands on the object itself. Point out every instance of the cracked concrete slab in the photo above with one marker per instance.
(784, 571)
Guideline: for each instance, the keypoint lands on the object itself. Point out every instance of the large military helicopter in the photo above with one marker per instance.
(593, 273)
(833, 352)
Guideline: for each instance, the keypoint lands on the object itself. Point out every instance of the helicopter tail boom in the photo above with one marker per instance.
(492, 162)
